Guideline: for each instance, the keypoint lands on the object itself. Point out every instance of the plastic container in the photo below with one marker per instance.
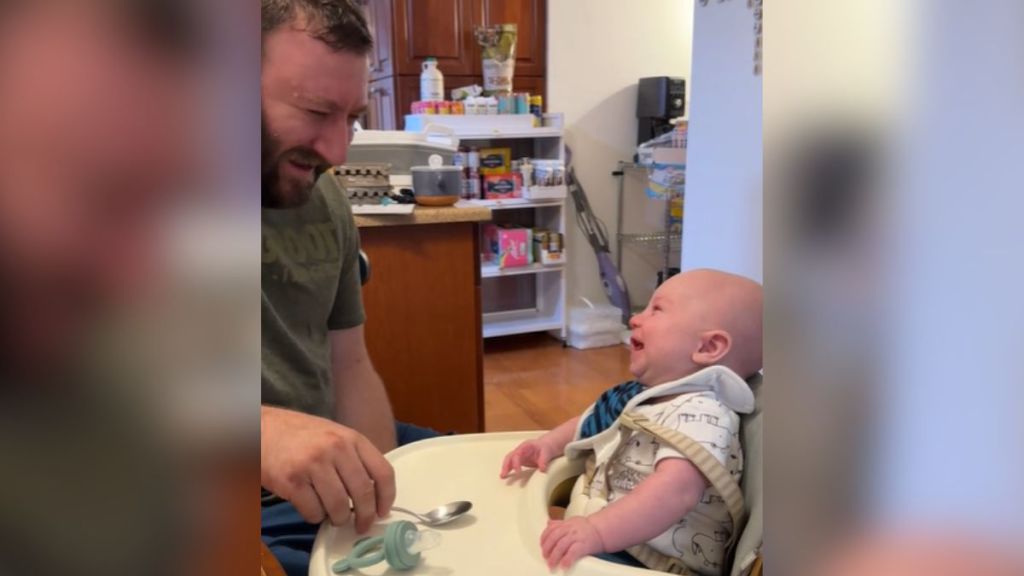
(402, 150)
(436, 184)
(595, 326)
(431, 81)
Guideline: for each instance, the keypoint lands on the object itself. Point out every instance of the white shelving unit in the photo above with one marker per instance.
(531, 298)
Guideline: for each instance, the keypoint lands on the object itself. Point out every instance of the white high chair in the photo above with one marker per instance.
(500, 536)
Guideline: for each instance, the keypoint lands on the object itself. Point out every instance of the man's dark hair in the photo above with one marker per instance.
(341, 24)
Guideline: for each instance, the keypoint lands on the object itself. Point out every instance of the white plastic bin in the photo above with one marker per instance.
(595, 326)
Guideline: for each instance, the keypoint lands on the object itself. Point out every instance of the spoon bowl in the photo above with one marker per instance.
(441, 514)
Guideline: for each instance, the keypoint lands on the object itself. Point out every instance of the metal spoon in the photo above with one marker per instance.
(441, 514)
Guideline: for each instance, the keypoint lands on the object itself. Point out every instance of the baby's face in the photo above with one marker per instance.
(664, 336)
(697, 319)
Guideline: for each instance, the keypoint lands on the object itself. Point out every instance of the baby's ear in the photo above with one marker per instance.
(714, 346)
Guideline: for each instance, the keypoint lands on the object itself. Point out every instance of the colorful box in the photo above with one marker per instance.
(495, 160)
(489, 242)
(502, 186)
(515, 247)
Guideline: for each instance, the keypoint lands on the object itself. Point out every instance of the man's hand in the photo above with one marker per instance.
(531, 453)
(566, 541)
(324, 468)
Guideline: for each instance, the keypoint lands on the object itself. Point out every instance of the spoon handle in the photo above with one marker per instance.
(409, 512)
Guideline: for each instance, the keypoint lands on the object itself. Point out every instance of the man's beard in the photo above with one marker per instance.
(277, 192)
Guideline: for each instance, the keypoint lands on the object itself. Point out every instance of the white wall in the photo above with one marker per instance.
(722, 224)
(597, 49)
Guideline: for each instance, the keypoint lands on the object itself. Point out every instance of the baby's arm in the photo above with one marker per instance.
(665, 497)
(658, 502)
(538, 452)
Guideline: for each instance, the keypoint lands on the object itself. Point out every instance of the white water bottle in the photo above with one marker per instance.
(431, 82)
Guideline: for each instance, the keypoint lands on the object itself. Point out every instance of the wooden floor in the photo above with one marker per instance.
(532, 383)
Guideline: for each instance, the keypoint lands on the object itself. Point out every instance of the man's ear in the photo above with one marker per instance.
(714, 345)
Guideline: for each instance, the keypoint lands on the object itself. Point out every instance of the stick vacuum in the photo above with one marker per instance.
(597, 234)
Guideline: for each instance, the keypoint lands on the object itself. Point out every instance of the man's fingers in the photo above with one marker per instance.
(382, 474)
(360, 489)
(307, 504)
(332, 494)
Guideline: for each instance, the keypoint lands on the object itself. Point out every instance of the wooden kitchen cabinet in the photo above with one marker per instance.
(406, 32)
(380, 108)
(378, 16)
(531, 84)
(408, 91)
(423, 321)
(439, 28)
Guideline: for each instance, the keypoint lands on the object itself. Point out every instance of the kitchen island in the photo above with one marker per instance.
(423, 316)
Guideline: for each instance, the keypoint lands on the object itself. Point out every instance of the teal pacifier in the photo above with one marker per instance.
(400, 546)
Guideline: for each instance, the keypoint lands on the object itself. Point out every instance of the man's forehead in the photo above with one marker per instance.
(296, 61)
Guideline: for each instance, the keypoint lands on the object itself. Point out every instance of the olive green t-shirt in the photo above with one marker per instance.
(310, 286)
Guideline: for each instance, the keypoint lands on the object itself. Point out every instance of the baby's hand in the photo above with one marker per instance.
(566, 541)
(532, 454)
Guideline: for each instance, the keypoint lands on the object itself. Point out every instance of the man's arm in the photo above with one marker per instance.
(361, 402)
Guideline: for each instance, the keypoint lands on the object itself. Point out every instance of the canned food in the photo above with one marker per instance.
(473, 185)
(458, 107)
(506, 104)
(554, 242)
(537, 109)
(444, 107)
(522, 103)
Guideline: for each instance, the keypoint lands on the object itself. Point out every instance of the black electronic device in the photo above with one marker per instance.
(659, 99)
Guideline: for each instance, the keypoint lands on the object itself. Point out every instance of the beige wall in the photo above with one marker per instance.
(597, 49)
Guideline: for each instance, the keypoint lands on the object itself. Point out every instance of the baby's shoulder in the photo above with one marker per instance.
(699, 408)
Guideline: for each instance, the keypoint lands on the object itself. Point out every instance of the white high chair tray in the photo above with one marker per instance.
(499, 536)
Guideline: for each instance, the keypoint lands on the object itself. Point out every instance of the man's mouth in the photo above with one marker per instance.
(300, 165)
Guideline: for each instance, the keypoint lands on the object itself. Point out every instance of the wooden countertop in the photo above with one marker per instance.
(425, 215)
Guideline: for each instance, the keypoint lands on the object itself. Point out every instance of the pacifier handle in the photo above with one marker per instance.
(389, 547)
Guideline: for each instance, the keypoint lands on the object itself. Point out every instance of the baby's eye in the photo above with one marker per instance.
(317, 113)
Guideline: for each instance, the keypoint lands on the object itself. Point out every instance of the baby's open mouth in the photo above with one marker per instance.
(636, 344)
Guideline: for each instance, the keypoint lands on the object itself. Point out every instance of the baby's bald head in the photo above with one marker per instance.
(696, 319)
(734, 304)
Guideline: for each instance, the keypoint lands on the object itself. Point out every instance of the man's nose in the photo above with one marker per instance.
(333, 147)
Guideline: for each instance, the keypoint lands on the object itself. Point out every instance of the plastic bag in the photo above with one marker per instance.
(498, 46)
